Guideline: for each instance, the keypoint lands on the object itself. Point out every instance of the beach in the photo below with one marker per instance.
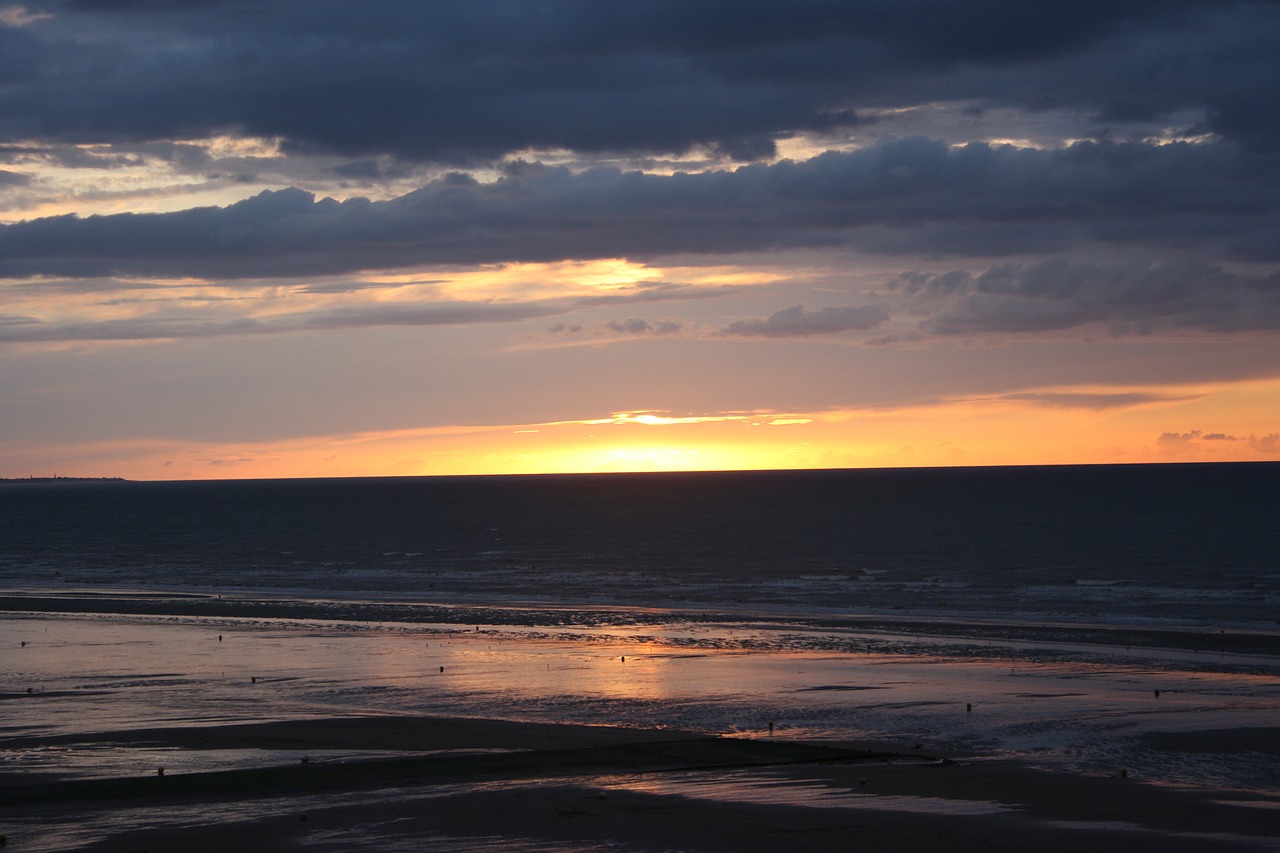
(515, 786)
(278, 734)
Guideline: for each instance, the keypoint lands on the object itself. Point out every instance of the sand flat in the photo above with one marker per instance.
(585, 787)
(497, 740)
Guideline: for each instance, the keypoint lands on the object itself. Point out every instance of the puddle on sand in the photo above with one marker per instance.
(762, 788)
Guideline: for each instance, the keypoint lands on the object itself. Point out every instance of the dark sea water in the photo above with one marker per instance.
(1195, 545)
(1082, 618)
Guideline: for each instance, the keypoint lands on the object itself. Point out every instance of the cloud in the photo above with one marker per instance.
(633, 326)
(1175, 443)
(997, 198)
(350, 286)
(21, 16)
(461, 82)
(1266, 443)
(640, 326)
(1123, 297)
(797, 321)
(1174, 157)
(161, 314)
(1097, 401)
(159, 325)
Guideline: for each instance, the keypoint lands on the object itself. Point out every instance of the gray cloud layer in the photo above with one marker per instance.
(1125, 297)
(468, 81)
(797, 321)
(1095, 401)
(641, 326)
(175, 318)
(161, 326)
(903, 196)
(411, 86)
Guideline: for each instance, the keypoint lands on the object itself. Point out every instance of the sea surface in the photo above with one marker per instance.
(1084, 618)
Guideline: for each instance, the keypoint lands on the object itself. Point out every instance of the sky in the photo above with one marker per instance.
(305, 238)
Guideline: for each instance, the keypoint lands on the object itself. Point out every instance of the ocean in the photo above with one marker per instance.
(1081, 618)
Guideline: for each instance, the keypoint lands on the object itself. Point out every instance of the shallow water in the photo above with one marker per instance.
(1082, 708)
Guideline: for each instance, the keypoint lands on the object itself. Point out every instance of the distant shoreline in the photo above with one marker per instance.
(63, 480)
(562, 475)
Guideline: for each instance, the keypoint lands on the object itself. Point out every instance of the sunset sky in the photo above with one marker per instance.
(309, 238)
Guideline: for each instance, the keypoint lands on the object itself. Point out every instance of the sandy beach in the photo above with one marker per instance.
(460, 784)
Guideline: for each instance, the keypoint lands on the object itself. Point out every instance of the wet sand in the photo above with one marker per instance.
(469, 784)
(407, 737)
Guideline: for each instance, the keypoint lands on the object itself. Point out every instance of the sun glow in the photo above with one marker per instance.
(527, 280)
(1053, 426)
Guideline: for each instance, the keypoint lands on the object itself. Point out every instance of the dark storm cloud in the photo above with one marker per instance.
(910, 196)
(1132, 297)
(466, 82)
(799, 322)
